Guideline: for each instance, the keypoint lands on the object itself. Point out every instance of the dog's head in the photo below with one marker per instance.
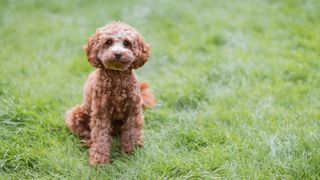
(117, 46)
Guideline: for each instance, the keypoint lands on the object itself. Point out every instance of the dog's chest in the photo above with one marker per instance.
(121, 102)
(122, 94)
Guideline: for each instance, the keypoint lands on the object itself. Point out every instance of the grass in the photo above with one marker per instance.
(238, 84)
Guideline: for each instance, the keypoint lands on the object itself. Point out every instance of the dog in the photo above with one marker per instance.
(113, 97)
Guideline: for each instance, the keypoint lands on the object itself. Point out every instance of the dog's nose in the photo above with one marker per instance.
(117, 55)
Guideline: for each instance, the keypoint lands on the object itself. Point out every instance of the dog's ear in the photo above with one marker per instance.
(92, 49)
(141, 51)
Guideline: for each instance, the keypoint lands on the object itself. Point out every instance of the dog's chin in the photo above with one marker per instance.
(117, 65)
(116, 68)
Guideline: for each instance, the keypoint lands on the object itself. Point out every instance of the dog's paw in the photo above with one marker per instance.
(98, 158)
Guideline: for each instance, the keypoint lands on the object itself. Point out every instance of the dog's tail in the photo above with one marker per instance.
(149, 100)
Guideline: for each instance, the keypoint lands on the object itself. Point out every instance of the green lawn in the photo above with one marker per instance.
(238, 84)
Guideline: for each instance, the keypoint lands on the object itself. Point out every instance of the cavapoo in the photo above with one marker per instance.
(113, 98)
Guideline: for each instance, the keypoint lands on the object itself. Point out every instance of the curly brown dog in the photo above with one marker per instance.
(113, 97)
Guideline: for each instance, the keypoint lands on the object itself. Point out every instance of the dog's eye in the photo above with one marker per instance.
(126, 43)
(109, 42)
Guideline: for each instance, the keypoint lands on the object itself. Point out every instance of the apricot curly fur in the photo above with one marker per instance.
(113, 98)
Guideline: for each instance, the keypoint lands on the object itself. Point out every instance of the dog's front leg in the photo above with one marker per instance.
(100, 136)
(132, 132)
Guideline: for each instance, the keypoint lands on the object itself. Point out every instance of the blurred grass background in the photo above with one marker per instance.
(238, 84)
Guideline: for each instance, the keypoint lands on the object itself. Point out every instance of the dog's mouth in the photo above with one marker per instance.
(120, 65)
